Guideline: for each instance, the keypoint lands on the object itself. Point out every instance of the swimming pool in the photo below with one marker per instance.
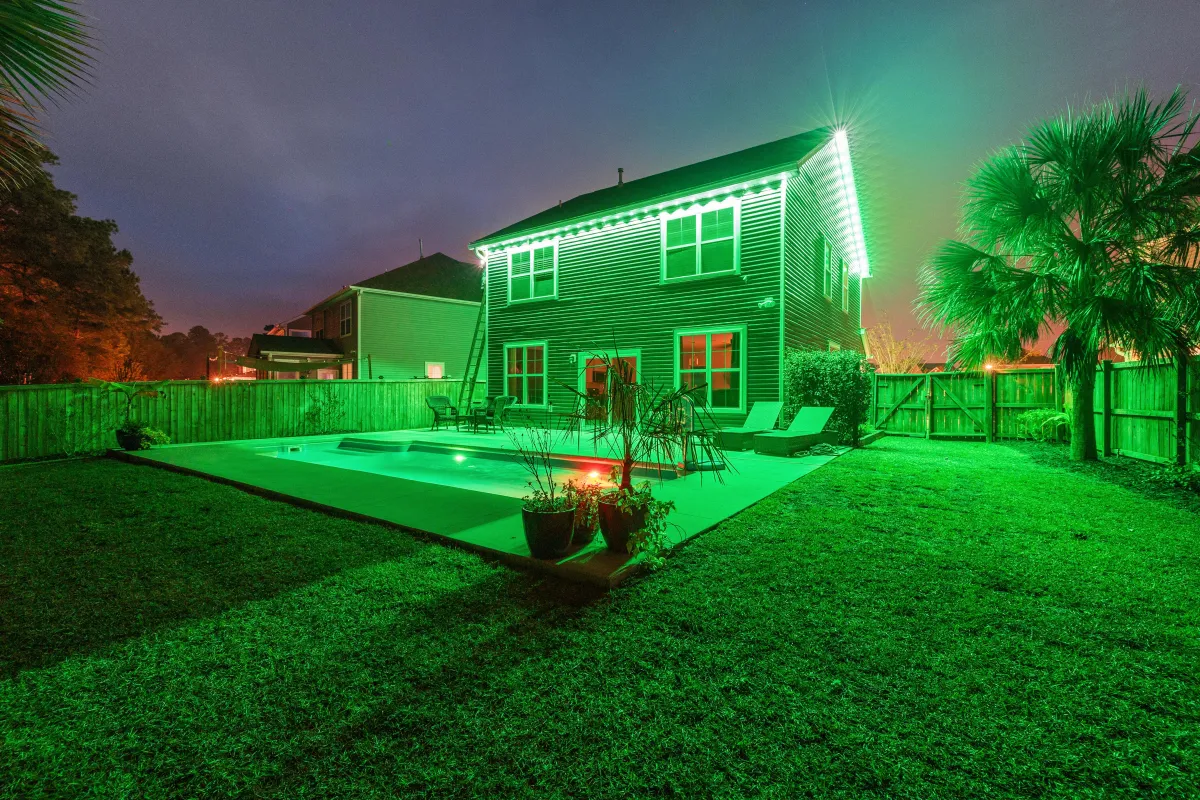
(491, 471)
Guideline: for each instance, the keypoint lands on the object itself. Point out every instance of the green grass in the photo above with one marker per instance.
(918, 619)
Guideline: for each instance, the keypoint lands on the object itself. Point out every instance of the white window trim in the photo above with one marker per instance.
(845, 279)
(529, 248)
(738, 329)
(346, 321)
(525, 383)
(698, 210)
(826, 268)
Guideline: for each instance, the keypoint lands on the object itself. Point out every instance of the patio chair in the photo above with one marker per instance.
(762, 418)
(807, 429)
(497, 409)
(443, 411)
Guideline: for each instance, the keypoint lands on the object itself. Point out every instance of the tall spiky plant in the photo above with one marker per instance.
(1089, 227)
(44, 54)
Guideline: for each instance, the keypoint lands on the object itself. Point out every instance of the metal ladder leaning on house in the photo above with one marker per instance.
(475, 356)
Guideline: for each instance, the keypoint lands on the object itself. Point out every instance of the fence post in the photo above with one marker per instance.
(989, 407)
(1181, 401)
(1106, 374)
(928, 404)
(875, 398)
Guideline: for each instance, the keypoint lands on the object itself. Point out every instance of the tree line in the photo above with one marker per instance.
(71, 306)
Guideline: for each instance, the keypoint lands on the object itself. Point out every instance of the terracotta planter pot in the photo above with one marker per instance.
(548, 533)
(617, 525)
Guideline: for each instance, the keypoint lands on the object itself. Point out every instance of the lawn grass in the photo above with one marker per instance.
(917, 619)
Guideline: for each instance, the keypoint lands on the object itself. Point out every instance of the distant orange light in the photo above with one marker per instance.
(593, 475)
(216, 379)
(988, 366)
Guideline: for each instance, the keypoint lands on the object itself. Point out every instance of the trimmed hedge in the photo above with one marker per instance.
(841, 379)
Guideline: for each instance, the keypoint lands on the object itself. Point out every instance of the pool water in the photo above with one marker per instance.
(484, 471)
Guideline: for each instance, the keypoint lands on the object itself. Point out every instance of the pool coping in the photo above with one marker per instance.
(483, 518)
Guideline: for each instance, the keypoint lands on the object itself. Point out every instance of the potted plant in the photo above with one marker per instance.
(548, 513)
(134, 435)
(645, 423)
(586, 497)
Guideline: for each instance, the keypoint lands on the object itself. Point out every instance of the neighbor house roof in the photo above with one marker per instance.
(261, 343)
(436, 275)
(723, 170)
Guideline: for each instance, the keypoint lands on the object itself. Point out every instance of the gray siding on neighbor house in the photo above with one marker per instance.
(814, 199)
(326, 318)
(400, 333)
(609, 290)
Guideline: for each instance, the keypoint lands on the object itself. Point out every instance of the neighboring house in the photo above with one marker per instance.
(700, 275)
(294, 350)
(414, 321)
(294, 327)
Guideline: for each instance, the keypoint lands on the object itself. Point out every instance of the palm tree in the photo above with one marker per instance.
(1088, 228)
(43, 54)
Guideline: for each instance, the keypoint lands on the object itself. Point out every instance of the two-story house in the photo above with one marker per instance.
(703, 275)
(415, 321)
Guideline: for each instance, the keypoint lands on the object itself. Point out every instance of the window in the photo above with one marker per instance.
(525, 373)
(319, 333)
(344, 319)
(435, 370)
(700, 244)
(347, 372)
(845, 273)
(825, 266)
(716, 360)
(532, 273)
(834, 346)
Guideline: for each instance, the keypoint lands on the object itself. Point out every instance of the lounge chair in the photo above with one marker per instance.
(761, 418)
(807, 429)
(443, 411)
(497, 408)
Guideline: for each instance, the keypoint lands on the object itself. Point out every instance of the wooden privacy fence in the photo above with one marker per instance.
(1145, 411)
(976, 405)
(70, 419)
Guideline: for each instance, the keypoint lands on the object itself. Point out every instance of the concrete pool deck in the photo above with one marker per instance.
(489, 524)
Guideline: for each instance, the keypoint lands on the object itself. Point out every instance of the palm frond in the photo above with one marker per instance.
(44, 55)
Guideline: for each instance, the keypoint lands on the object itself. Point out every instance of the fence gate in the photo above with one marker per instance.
(960, 405)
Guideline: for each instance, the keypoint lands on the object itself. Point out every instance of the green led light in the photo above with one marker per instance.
(860, 266)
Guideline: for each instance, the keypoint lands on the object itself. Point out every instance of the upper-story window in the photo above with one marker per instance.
(700, 243)
(344, 319)
(533, 273)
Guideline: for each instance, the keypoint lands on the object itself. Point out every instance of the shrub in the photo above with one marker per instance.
(1044, 425)
(1176, 477)
(136, 436)
(841, 379)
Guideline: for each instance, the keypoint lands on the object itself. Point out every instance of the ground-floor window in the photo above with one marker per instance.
(435, 369)
(525, 372)
(347, 372)
(714, 359)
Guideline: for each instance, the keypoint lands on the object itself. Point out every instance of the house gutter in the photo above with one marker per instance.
(496, 240)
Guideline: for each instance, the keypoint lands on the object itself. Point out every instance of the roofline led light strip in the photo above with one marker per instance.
(634, 215)
(861, 268)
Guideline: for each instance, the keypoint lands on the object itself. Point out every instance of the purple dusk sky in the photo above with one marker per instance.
(259, 155)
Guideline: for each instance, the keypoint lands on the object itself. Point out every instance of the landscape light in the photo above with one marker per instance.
(460, 458)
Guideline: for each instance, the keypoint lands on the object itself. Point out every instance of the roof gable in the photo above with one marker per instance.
(436, 275)
(781, 154)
